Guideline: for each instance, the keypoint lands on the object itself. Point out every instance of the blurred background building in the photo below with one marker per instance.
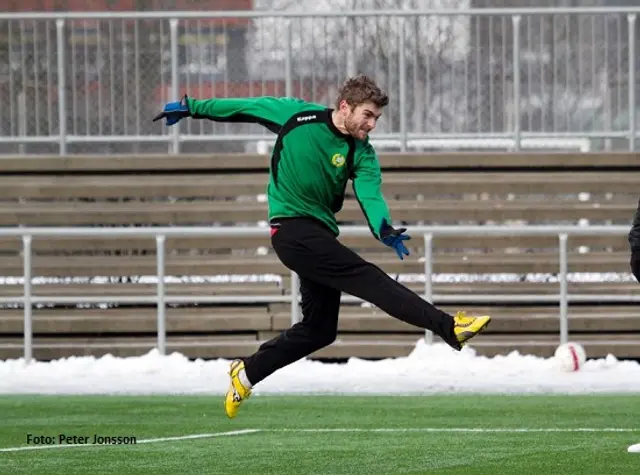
(456, 78)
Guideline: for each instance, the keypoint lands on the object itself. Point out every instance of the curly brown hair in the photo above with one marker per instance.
(360, 89)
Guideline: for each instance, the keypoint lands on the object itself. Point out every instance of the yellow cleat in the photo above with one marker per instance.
(466, 327)
(237, 391)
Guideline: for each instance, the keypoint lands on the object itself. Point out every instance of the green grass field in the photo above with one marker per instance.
(324, 435)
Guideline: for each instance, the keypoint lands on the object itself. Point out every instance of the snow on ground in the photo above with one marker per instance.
(428, 369)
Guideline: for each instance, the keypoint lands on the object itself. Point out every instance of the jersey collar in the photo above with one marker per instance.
(332, 126)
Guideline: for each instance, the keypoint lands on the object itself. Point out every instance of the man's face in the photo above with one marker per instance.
(361, 119)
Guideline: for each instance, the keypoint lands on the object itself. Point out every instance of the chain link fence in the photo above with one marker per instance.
(467, 80)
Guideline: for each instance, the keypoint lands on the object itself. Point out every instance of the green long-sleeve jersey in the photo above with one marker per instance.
(312, 160)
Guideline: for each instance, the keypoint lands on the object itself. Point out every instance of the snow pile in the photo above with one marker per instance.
(428, 369)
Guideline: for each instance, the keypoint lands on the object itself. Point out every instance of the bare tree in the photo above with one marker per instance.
(572, 70)
(430, 50)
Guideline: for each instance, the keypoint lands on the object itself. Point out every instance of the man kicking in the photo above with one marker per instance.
(317, 151)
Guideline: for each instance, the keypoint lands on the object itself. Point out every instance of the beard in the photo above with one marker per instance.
(353, 128)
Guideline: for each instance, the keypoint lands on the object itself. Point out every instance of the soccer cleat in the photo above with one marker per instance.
(466, 327)
(237, 391)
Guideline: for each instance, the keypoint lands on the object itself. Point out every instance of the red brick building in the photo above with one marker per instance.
(123, 5)
(119, 72)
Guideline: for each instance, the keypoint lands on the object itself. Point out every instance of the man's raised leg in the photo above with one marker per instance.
(311, 250)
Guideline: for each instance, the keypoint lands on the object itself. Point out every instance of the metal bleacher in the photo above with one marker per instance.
(422, 188)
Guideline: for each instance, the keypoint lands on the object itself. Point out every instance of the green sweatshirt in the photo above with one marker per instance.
(312, 160)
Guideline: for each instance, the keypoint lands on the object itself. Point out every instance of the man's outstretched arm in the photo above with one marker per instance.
(271, 112)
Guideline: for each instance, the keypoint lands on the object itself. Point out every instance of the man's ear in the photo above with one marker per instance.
(344, 106)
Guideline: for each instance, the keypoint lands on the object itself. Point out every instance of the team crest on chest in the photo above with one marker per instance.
(338, 160)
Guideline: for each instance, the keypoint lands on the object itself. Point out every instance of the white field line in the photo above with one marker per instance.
(462, 429)
(346, 430)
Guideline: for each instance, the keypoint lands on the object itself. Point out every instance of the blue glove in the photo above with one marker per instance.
(174, 112)
(394, 238)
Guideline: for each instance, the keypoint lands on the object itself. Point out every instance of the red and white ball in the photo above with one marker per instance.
(570, 357)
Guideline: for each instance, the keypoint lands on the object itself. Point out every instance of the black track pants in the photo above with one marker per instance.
(326, 269)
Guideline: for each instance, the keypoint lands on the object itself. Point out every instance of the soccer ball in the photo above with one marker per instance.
(570, 357)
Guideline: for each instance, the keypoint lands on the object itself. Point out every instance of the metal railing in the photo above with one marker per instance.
(91, 82)
(563, 297)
